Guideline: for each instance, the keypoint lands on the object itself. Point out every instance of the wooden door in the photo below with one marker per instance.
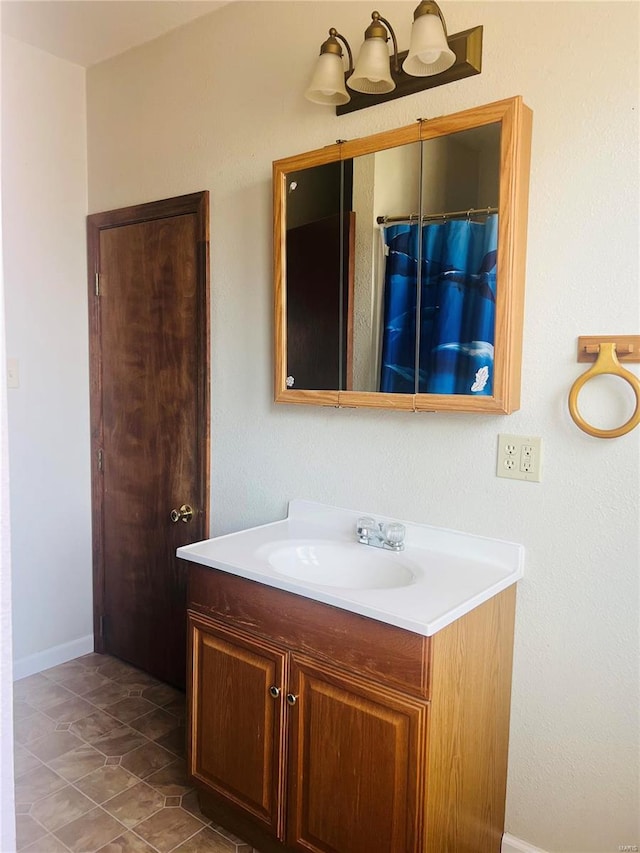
(149, 321)
(355, 769)
(236, 720)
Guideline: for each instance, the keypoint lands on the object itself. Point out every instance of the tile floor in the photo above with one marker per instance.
(100, 765)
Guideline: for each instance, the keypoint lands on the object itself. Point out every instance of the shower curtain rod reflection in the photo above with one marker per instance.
(429, 217)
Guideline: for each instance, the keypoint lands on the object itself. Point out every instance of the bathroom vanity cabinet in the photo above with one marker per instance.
(315, 728)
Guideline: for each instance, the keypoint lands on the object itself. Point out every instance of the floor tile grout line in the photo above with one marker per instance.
(43, 709)
(142, 838)
(124, 790)
(139, 779)
(184, 840)
(134, 775)
(107, 678)
(174, 757)
(84, 742)
(47, 831)
(125, 828)
(122, 830)
(102, 709)
(102, 805)
(94, 804)
(178, 718)
(53, 832)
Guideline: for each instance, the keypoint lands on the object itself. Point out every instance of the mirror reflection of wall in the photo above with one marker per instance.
(461, 171)
(386, 181)
(366, 317)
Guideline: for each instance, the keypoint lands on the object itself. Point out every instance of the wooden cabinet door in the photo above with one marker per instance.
(356, 753)
(236, 725)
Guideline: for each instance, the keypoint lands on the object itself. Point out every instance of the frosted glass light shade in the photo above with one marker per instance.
(327, 82)
(372, 73)
(429, 52)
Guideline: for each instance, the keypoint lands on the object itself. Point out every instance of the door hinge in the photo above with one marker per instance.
(100, 460)
(97, 283)
(101, 625)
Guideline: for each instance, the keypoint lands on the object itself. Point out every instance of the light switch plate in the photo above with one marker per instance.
(520, 457)
(13, 374)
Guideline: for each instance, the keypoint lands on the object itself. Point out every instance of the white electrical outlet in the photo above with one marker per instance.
(520, 457)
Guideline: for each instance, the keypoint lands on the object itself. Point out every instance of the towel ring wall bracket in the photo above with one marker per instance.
(627, 347)
(607, 353)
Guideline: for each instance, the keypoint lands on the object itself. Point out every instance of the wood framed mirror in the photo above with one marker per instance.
(399, 263)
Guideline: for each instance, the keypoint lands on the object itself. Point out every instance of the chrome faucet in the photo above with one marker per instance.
(381, 535)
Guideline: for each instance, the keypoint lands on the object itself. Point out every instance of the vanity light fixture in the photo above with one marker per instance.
(327, 84)
(429, 51)
(372, 74)
(433, 59)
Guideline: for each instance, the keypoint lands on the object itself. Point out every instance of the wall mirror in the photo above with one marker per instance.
(399, 266)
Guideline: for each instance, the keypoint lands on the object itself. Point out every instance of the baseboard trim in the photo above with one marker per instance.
(31, 664)
(511, 844)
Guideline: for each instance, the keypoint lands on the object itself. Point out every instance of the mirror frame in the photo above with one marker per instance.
(515, 155)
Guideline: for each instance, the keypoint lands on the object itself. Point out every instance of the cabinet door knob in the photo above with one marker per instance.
(291, 698)
(274, 691)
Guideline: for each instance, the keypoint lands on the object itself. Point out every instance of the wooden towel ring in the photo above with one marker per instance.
(606, 363)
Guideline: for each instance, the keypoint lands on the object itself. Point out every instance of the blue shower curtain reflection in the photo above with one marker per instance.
(399, 309)
(457, 307)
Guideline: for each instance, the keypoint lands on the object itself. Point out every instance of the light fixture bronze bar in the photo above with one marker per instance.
(467, 46)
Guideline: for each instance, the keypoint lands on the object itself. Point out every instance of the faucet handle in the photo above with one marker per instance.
(394, 533)
(365, 525)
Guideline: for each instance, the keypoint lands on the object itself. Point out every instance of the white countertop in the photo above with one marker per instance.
(452, 572)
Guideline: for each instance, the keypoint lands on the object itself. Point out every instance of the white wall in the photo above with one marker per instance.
(7, 799)
(44, 204)
(187, 112)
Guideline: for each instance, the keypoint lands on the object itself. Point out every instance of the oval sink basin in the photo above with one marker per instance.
(345, 565)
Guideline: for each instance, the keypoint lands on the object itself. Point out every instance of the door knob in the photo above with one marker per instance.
(292, 698)
(274, 692)
(185, 513)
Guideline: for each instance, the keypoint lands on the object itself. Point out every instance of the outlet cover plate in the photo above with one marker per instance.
(519, 457)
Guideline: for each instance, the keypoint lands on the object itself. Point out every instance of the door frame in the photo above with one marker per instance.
(193, 203)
